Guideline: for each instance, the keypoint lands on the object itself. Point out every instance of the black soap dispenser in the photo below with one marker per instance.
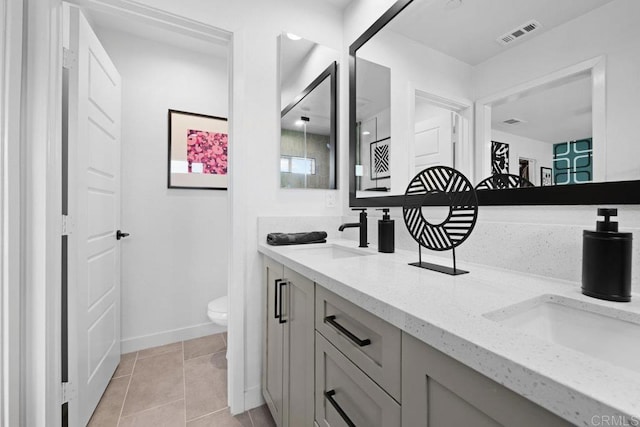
(386, 233)
(606, 260)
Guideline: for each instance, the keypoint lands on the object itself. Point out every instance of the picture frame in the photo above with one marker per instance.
(379, 151)
(546, 176)
(198, 151)
(499, 158)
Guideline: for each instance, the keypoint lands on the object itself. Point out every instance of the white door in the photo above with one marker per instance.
(94, 205)
(434, 141)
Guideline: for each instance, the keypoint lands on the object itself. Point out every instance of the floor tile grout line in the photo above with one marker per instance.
(184, 384)
(119, 376)
(206, 415)
(207, 354)
(133, 368)
(159, 354)
(152, 408)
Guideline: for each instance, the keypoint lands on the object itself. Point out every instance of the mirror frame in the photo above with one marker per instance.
(597, 193)
(331, 71)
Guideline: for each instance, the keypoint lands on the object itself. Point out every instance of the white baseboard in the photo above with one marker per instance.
(128, 345)
(253, 398)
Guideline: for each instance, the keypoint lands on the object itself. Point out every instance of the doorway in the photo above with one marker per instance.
(523, 114)
(527, 169)
(174, 261)
(440, 132)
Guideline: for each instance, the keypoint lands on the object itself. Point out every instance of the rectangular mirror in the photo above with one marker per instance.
(498, 87)
(308, 114)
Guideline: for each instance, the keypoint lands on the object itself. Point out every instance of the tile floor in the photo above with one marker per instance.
(179, 384)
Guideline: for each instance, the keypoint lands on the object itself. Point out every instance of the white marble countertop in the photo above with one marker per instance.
(447, 312)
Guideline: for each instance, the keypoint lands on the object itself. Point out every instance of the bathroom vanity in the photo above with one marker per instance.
(355, 337)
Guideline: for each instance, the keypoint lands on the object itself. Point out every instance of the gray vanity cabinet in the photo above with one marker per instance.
(288, 356)
(347, 396)
(273, 344)
(332, 362)
(440, 391)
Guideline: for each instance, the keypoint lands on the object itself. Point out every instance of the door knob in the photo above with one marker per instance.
(121, 235)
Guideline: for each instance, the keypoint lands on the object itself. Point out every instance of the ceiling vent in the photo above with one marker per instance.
(513, 121)
(519, 32)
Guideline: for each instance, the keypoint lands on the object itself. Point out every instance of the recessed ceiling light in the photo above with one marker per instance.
(293, 37)
(452, 4)
(513, 121)
(299, 122)
(366, 132)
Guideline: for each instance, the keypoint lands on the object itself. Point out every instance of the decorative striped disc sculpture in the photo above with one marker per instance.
(443, 185)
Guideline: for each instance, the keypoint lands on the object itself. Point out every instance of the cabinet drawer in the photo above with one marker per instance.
(344, 393)
(344, 325)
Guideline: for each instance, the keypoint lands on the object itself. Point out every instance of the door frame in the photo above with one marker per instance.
(41, 311)
(463, 150)
(11, 207)
(596, 67)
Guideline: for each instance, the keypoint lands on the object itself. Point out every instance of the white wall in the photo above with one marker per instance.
(175, 260)
(528, 148)
(610, 30)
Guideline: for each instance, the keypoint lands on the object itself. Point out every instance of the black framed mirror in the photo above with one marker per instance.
(308, 130)
(529, 92)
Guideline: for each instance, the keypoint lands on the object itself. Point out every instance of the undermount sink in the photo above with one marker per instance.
(603, 332)
(330, 252)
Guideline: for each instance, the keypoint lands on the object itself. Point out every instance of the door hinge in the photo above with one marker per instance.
(68, 58)
(69, 393)
(67, 225)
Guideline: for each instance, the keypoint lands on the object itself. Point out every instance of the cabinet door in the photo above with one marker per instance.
(346, 396)
(298, 312)
(273, 342)
(440, 391)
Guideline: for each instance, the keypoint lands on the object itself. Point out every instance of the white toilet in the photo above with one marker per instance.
(218, 310)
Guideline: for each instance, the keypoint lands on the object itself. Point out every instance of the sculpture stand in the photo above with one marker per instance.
(439, 268)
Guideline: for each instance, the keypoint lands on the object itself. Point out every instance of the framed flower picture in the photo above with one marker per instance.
(198, 151)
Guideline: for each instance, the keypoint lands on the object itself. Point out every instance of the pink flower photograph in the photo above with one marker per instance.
(208, 148)
(198, 151)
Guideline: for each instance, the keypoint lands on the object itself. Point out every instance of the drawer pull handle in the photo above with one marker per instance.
(329, 395)
(332, 321)
(281, 317)
(275, 302)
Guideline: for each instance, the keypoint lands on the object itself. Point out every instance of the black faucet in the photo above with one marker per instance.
(362, 225)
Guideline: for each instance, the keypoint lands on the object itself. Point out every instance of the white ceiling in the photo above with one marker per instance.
(557, 114)
(469, 31)
(341, 4)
